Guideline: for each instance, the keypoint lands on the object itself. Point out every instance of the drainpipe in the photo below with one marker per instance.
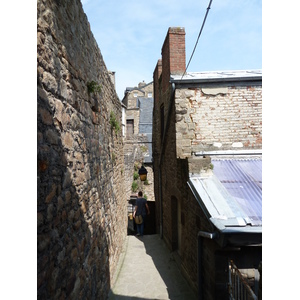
(161, 157)
(201, 235)
(160, 204)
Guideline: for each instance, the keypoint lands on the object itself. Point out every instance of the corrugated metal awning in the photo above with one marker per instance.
(232, 195)
(243, 180)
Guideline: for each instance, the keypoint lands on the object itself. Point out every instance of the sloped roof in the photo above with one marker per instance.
(145, 124)
(146, 112)
(231, 197)
(243, 180)
(218, 76)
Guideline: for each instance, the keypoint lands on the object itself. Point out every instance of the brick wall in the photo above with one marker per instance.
(156, 138)
(198, 117)
(229, 120)
(173, 54)
(81, 211)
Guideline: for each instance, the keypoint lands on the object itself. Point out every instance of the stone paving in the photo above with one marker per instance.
(147, 270)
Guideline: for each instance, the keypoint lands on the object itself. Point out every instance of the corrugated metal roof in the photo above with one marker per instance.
(243, 180)
(232, 195)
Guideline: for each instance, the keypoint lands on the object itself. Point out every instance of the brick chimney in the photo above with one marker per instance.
(156, 75)
(173, 54)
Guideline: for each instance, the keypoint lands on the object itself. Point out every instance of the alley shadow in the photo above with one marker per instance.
(164, 261)
(121, 297)
(159, 276)
(72, 253)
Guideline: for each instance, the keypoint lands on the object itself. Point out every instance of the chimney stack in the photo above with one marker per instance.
(141, 84)
(173, 55)
(156, 76)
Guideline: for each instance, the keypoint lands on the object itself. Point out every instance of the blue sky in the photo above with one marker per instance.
(130, 35)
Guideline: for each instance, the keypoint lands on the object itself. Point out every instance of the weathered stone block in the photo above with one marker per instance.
(46, 116)
(51, 194)
(68, 140)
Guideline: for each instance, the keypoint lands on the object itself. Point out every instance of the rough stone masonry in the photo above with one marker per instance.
(81, 211)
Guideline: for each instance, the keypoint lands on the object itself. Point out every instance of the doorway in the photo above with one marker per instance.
(129, 128)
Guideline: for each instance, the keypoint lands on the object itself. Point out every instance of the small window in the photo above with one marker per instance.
(134, 95)
(149, 95)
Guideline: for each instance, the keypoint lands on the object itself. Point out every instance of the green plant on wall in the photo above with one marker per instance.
(93, 87)
(136, 166)
(144, 148)
(135, 175)
(134, 186)
(113, 122)
(113, 157)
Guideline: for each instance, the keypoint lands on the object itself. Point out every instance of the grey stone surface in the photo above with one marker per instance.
(147, 270)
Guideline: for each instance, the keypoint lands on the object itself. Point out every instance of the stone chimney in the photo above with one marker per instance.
(173, 55)
(142, 84)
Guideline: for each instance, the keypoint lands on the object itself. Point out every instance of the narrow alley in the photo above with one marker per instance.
(147, 270)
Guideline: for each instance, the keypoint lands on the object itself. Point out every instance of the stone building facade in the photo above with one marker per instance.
(194, 116)
(138, 102)
(81, 209)
(130, 100)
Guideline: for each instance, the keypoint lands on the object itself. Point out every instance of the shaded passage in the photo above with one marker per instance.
(148, 271)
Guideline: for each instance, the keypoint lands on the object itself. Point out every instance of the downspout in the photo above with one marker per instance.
(160, 204)
(161, 157)
(201, 235)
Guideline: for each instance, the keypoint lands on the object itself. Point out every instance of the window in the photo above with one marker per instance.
(134, 95)
(149, 95)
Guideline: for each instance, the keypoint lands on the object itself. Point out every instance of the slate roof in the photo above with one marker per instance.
(145, 123)
(146, 112)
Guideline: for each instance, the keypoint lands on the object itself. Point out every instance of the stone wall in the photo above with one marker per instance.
(81, 208)
(136, 144)
(130, 101)
(134, 148)
(133, 114)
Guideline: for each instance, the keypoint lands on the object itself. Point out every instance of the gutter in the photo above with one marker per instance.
(230, 235)
(229, 152)
(219, 76)
(216, 80)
